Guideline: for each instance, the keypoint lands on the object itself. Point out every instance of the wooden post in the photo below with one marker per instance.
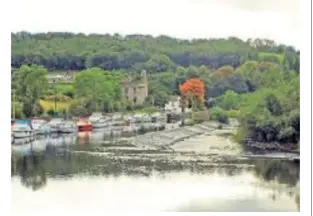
(183, 106)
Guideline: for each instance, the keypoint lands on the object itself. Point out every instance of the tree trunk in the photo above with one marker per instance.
(183, 115)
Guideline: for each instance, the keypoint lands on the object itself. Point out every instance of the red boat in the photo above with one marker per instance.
(84, 125)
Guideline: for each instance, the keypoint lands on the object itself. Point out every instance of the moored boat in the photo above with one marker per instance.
(84, 125)
(99, 121)
(156, 117)
(44, 129)
(55, 124)
(68, 127)
(40, 127)
(22, 131)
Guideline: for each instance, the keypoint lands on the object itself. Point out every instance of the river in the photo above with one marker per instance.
(92, 171)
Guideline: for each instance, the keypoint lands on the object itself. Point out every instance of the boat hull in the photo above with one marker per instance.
(85, 127)
(68, 130)
(100, 124)
(23, 134)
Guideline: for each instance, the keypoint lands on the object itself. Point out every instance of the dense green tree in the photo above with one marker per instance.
(30, 85)
(68, 51)
(93, 86)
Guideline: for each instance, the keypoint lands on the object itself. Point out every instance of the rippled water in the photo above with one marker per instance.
(204, 173)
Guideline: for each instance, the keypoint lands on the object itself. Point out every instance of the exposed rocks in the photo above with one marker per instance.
(262, 147)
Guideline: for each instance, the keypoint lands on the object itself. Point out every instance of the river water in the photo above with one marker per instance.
(92, 171)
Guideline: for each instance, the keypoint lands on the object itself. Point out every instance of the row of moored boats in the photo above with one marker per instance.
(37, 126)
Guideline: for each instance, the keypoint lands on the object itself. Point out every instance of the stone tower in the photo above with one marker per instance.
(144, 75)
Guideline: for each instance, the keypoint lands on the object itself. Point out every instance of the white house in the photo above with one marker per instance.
(173, 105)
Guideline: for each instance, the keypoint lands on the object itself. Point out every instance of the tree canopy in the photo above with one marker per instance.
(69, 51)
(255, 81)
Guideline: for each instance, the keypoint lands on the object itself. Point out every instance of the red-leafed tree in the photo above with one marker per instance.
(192, 90)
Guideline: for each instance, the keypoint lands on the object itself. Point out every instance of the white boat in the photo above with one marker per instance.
(41, 127)
(129, 118)
(68, 127)
(145, 118)
(36, 123)
(22, 131)
(44, 129)
(117, 120)
(99, 121)
(117, 116)
(22, 141)
(156, 117)
(137, 118)
(55, 124)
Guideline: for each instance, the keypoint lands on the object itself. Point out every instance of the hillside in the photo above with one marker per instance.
(67, 51)
(255, 81)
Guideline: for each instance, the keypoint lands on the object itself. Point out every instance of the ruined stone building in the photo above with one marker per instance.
(135, 90)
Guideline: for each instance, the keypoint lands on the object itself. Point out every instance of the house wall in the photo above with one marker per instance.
(136, 91)
(173, 105)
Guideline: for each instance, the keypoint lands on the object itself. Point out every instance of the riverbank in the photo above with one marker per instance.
(207, 138)
(254, 146)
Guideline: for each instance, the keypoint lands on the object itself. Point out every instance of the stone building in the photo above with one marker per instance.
(135, 90)
(67, 76)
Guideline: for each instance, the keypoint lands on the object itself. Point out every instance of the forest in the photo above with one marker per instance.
(256, 81)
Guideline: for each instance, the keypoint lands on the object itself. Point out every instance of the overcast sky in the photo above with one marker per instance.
(273, 19)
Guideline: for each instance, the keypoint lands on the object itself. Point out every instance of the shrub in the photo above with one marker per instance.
(58, 97)
(230, 100)
(52, 112)
(65, 89)
(78, 110)
(218, 114)
(232, 113)
(240, 135)
(150, 109)
(46, 117)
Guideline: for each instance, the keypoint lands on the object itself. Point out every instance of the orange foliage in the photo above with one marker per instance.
(193, 87)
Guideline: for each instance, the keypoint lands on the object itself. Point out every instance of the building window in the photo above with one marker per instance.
(134, 90)
(135, 100)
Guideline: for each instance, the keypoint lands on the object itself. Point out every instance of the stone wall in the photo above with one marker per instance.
(135, 91)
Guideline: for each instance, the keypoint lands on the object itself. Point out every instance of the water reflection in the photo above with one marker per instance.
(72, 166)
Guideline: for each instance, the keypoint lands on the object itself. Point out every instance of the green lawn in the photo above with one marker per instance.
(46, 105)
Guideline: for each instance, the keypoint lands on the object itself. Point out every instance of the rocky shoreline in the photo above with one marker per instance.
(265, 147)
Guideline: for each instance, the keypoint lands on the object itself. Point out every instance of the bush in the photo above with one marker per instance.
(232, 113)
(65, 89)
(46, 117)
(240, 135)
(58, 97)
(78, 110)
(189, 122)
(149, 110)
(218, 114)
(230, 100)
(52, 112)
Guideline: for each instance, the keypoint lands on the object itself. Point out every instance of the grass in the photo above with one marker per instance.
(147, 110)
(46, 105)
(280, 57)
